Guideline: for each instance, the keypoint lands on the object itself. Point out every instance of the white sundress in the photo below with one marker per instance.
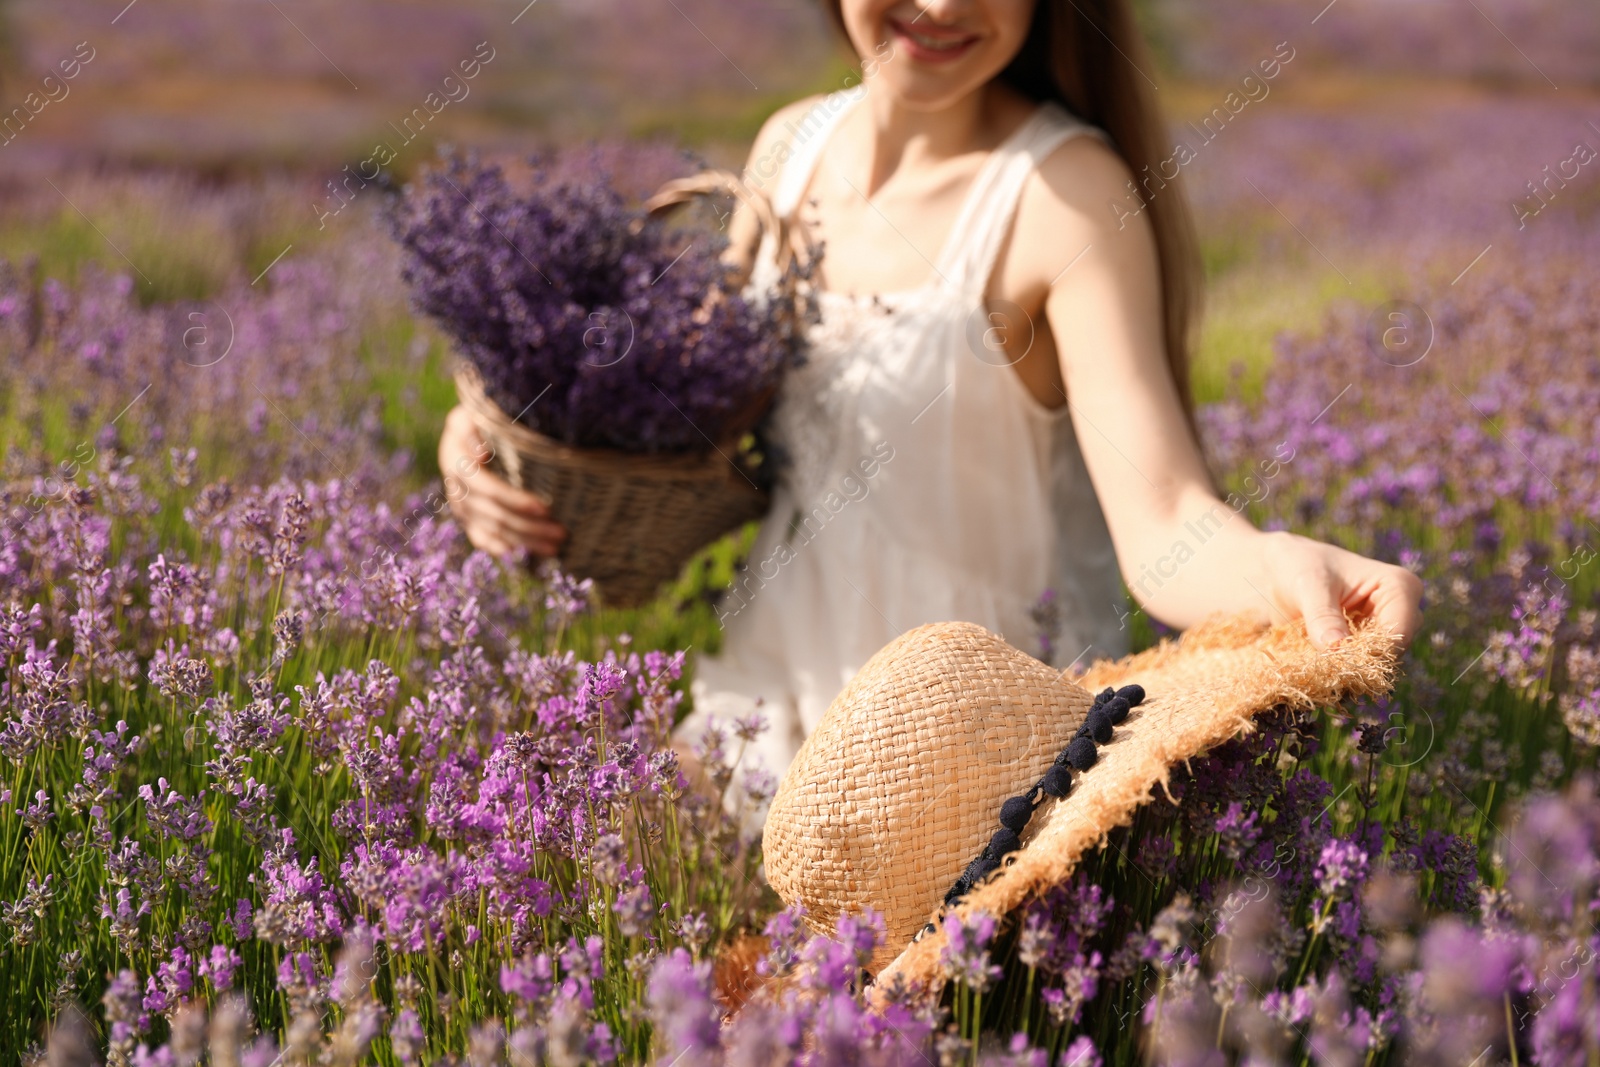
(924, 482)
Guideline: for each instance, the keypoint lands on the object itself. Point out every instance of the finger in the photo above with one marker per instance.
(517, 525)
(1390, 599)
(1397, 605)
(1321, 596)
(501, 545)
(485, 539)
(473, 509)
(543, 538)
(527, 532)
(507, 495)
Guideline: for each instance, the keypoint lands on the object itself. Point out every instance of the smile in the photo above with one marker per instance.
(931, 43)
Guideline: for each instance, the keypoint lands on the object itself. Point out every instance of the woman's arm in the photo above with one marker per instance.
(1184, 553)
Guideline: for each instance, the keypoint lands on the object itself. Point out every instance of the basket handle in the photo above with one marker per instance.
(713, 181)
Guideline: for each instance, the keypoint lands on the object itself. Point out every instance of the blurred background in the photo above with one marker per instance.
(1405, 147)
(202, 319)
(197, 142)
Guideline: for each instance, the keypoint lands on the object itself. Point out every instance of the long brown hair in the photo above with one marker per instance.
(1089, 56)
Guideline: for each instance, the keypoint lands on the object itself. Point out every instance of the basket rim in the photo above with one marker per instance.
(713, 461)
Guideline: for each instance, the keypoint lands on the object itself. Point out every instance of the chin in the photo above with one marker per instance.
(927, 65)
(919, 87)
(926, 92)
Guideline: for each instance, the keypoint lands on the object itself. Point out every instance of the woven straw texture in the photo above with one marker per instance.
(632, 520)
(901, 783)
(897, 788)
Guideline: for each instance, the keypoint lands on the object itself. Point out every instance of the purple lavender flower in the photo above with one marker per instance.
(627, 325)
(180, 675)
(530, 978)
(1341, 866)
(786, 938)
(17, 624)
(1238, 830)
(828, 964)
(219, 966)
(1521, 656)
(565, 596)
(1566, 1031)
(124, 1012)
(1184, 1029)
(242, 921)
(964, 958)
(1046, 616)
(1554, 854)
(1081, 1053)
(681, 1006)
(406, 1036)
(1466, 977)
(635, 911)
(171, 814)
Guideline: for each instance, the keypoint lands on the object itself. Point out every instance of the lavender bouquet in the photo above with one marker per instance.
(588, 320)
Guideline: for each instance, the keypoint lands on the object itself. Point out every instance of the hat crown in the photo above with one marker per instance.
(902, 781)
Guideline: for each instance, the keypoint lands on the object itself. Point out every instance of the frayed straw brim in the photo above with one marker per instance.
(901, 783)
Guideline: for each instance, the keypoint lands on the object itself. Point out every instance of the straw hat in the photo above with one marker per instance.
(901, 785)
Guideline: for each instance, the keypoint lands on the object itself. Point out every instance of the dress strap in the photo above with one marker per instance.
(805, 142)
(986, 218)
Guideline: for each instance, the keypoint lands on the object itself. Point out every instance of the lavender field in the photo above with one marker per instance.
(293, 775)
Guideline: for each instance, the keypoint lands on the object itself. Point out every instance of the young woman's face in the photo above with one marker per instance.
(928, 55)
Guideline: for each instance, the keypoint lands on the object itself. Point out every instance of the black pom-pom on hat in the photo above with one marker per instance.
(1109, 709)
(1082, 753)
(1004, 841)
(1056, 781)
(1015, 813)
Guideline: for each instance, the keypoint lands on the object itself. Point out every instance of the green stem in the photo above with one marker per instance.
(1511, 1034)
(1027, 1003)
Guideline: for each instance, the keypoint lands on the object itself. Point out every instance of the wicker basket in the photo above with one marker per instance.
(632, 520)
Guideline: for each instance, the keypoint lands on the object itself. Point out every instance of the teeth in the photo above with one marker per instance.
(936, 44)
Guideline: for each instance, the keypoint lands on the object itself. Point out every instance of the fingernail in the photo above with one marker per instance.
(1331, 637)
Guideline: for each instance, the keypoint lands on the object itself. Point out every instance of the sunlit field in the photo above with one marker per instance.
(292, 774)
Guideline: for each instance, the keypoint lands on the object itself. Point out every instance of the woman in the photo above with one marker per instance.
(996, 401)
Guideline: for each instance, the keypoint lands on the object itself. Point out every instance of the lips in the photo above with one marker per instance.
(931, 44)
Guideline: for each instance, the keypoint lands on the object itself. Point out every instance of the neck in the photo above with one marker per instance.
(898, 136)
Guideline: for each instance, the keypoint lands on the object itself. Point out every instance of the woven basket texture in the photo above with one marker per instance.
(632, 520)
(900, 785)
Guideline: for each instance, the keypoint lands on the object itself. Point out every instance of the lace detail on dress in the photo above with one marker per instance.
(821, 394)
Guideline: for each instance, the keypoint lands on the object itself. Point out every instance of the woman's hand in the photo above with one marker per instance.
(1320, 582)
(496, 515)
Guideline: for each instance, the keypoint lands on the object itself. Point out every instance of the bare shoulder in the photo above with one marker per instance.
(775, 142)
(771, 148)
(1084, 185)
(1079, 196)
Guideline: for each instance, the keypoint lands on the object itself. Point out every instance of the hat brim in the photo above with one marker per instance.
(1201, 690)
